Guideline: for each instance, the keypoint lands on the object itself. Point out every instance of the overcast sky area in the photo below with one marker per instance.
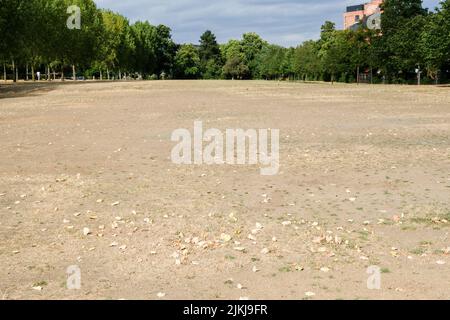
(283, 22)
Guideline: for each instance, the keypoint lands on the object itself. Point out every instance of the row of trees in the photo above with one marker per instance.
(34, 36)
(411, 40)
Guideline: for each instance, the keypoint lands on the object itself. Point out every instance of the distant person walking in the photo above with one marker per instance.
(38, 75)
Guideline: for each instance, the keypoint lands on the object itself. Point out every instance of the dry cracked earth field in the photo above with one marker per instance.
(86, 179)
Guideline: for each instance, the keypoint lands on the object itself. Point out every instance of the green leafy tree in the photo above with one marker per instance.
(232, 49)
(235, 68)
(307, 63)
(34, 36)
(360, 54)
(402, 22)
(83, 44)
(334, 51)
(252, 44)
(210, 56)
(187, 62)
(288, 64)
(114, 39)
(165, 50)
(14, 18)
(270, 61)
(144, 35)
(435, 41)
(398, 12)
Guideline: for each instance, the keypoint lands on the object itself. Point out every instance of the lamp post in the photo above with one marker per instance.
(419, 75)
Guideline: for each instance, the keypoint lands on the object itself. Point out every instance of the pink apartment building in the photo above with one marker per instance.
(358, 13)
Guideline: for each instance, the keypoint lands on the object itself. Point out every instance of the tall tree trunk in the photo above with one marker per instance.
(120, 75)
(357, 75)
(14, 71)
(107, 71)
(48, 72)
(26, 71)
(101, 75)
(32, 73)
(54, 75)
(62, 73)
(419, 76)
(74, 74)
(4, 71)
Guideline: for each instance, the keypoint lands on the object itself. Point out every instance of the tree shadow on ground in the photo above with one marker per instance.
(29, 89)
(26, 89)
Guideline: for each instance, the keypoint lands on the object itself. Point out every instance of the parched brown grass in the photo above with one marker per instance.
(365, 170)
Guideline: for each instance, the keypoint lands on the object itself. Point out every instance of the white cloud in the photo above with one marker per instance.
(284, 22)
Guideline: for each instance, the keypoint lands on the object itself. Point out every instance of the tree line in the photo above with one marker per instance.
(34, 37)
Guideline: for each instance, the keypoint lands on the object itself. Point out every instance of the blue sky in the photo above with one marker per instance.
(283, 22)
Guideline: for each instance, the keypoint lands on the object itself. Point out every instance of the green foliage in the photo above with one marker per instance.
(34, 33)
(271, 62)
(144, 35)
(116, 43)
(335, 52)
(210, 56)
(306, 61)
(79, 46)
(402, 22)
(187, 62)
(435, 40)
(252, 45)
(235, 68)
(165, 50)
(12, 27)
(398, 12)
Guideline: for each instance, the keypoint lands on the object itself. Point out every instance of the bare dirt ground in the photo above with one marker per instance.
(364, 180)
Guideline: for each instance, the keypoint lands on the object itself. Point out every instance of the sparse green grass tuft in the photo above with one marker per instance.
(285, 269)
(419, 220)
(364, 235)
(418, 251)
(40, 284)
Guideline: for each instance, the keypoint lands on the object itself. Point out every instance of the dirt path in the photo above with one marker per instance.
(364, 181)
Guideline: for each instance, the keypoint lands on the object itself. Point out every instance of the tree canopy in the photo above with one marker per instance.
(34, 36)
